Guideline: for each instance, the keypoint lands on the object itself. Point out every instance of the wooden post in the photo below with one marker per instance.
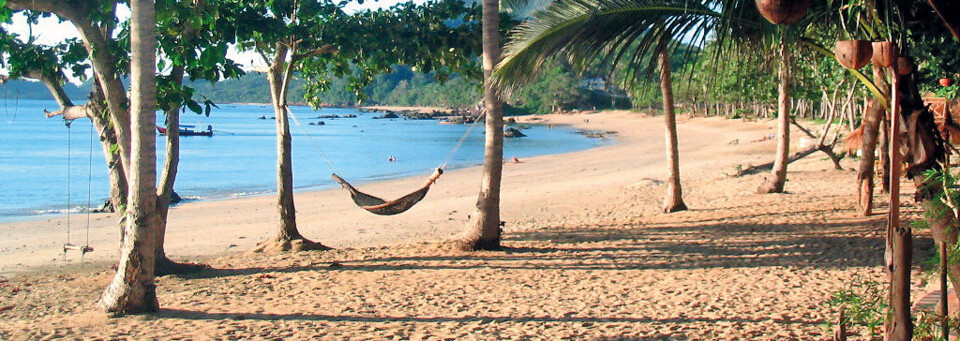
(944, 299)
(944, 302)
(899, 238)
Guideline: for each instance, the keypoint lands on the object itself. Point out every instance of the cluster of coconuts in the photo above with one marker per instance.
(853, 54)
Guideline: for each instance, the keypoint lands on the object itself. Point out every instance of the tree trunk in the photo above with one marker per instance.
(133, 289)
(884, 154)
(899, 325)
(868, 147)
(774, 184)
(483, 232)
(108, 139)
(288, 237)
(673, 200)
(164, 265)
(95, 41)
(95, 111)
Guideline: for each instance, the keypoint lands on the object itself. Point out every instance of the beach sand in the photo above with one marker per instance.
(588, 254)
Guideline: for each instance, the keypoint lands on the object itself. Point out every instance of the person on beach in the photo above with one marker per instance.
(515, 159)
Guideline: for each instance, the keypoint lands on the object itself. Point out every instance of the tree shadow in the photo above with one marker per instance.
(201, 315)
(836, 245)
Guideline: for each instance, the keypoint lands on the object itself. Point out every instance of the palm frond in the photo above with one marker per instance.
(618, 33)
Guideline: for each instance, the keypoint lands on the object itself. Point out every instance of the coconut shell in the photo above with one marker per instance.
(884, 53)
(853, 54)
(783, 11)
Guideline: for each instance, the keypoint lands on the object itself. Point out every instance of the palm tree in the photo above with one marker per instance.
(619, 33)
(483, 233)
(673, 200)
(132, 289)
(774, 184)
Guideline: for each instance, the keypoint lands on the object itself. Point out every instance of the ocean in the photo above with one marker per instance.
(46, 168)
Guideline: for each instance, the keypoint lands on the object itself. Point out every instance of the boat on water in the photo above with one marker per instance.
(189, 130)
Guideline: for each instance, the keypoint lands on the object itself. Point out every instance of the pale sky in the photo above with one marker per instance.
(49, 31)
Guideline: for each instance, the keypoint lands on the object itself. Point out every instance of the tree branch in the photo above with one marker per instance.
(53, 83)
(326, 48)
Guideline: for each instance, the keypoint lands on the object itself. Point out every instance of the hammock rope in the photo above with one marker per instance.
(375, 204)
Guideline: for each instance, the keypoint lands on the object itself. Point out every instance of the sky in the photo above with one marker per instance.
(50, 31)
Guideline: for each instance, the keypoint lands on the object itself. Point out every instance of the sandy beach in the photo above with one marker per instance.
(588, 254)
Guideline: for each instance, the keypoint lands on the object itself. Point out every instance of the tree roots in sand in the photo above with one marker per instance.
(770, 186)
(676, 207)
(278, 245)
(477, 245)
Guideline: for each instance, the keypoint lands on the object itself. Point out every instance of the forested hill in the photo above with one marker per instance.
(401, 87)
(555, 89)
(23, 89)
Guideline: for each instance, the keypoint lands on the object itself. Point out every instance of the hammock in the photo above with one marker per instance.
(374, 204)
(382, 207)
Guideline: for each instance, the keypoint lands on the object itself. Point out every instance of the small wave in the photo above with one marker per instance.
(247, 194)
(78, 209)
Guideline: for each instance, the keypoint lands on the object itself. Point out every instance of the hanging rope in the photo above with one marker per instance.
(312, 142)
(462, 139)
(86, 246)
(377, 205)
(69, 152)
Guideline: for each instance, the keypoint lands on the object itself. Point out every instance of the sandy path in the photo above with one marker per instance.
(588, 255)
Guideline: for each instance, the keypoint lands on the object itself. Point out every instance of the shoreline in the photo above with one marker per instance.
(587, 254)
(211, 228)
(100, 220)
(57, 211)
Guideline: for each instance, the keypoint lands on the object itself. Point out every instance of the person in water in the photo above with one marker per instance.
(391, 159)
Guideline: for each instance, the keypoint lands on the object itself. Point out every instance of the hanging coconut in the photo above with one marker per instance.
(783, 11)
(904, 66)
(884, 53)
(853, 54)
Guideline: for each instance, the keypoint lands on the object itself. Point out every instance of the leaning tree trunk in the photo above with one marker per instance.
(133, 289)
(171, 163)
(288, 237)
(95, 111)
(868, 148)
(673, 200)
(774, 184)
(483, 232)
(108, 139)
(884, 154)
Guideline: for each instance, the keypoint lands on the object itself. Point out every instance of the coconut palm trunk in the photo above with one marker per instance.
(868, 148)
(133, 289)
(483, 231)
(673, 200)
(778, 177)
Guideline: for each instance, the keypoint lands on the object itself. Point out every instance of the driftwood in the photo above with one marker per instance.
(769, 165)
(819, 146)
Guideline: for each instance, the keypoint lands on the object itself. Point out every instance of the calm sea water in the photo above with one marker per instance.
(240, 159)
